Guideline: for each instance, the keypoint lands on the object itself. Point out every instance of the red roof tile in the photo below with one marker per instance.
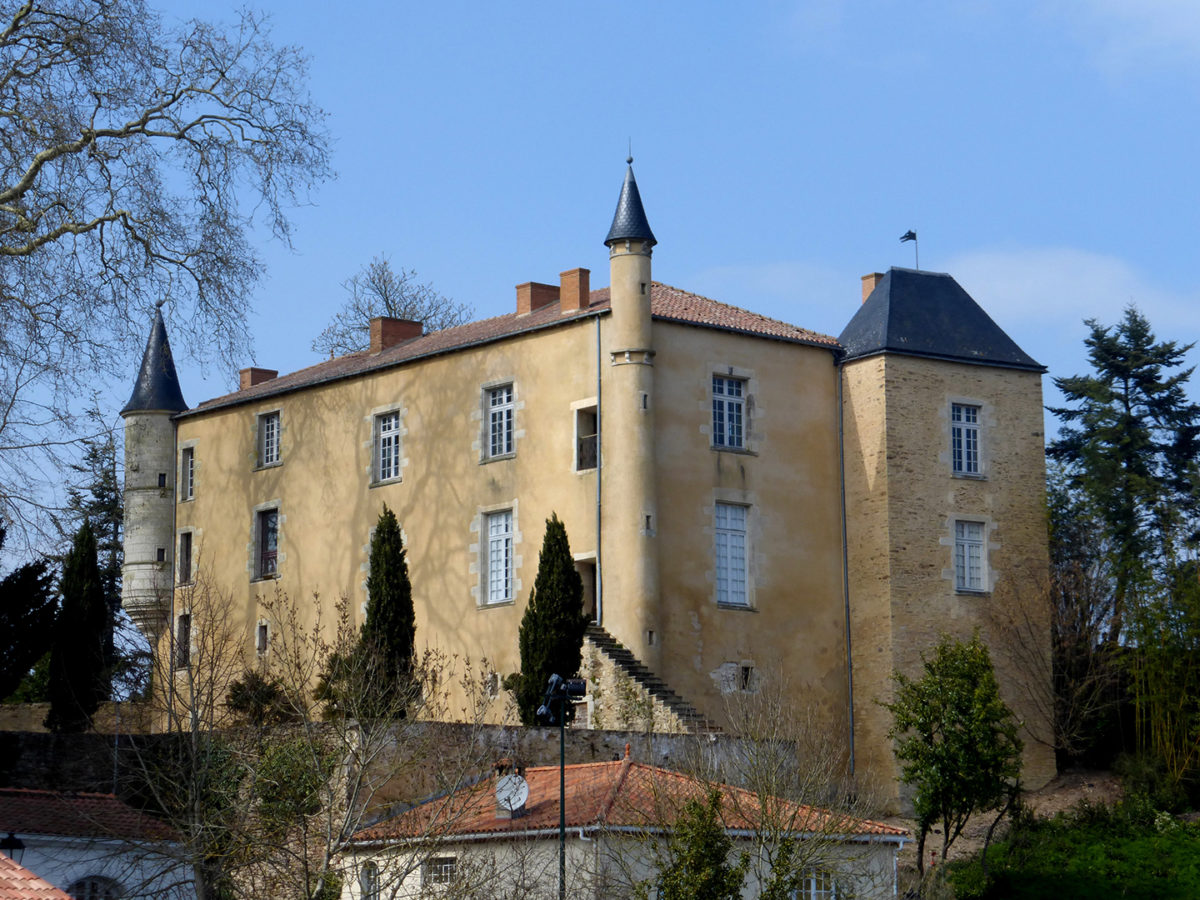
(666, 303)
(76, 815)
(18, 883)
(620, 794)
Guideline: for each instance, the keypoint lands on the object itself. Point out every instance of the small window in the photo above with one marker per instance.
(95, 887)
(745, 677)
(162, 479)
(498, 574)
(817, 885)
(262, 639)
(187, 473)
(730, 550)
(969, 568)
(268, 439)
(500, 421)
(387, 446)
(183, 641)
(728, 408)
(586, 439)
(368, 881)
(160, 554)
(964, 439)
(439, 870)
(185, 558)
(267, 536)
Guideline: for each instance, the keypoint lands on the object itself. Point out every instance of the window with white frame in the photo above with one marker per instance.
(266, 533)
(387, 446)
(500, 408)
(368, 881)
(184, 562)
(268, 439)
(498, 567)
(730, 551)
(970, 572)
(96, 887)
(817, 885)
(964, 439)
(729, 412)
(439, 870)
(187, 473)
(182, 658)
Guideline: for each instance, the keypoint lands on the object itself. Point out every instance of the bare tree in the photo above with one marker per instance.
(134, 159)
(379, 290)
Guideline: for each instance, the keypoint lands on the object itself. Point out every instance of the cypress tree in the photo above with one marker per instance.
(79, 676)
(551, 636)
(28, 608)
(389, 632)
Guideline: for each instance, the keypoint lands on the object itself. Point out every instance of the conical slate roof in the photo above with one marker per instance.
(918, 313)
(157, 387)
(629, 221)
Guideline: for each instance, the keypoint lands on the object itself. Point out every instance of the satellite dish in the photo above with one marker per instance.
(511, 792)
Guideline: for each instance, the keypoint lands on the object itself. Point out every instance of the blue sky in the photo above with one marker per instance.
(1045, 152)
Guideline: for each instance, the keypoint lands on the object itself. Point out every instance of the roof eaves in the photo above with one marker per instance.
(832, 345)
(894, 351)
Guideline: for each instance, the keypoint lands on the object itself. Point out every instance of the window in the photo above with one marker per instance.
(968, 557)
(95, 887)
(964, 439)
(160, 554)
(368, 881)
(162, 479)
(728, 412)
(183, 641)
(731, 554)
(387, 446)
(499, 565)
(817, 885)
(268, 439)
(267, 536)
(500, 421)
(586, 432)
(185, 558)
(262, 638)
(187, 473)
(439, 870)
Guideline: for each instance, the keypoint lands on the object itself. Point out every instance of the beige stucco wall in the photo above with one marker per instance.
(902, 501)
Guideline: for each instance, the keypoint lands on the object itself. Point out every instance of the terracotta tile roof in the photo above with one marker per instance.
(18, 883)
(76, 815)
(620, 794)
(666, 303)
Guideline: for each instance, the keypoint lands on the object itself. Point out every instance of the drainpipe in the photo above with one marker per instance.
(599, 470)
(845, 556)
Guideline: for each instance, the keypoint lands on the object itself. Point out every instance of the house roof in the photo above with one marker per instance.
(18, 883)
(157, 386)
(622, 794)
(918, 313)
(666, 304)
(74, 814)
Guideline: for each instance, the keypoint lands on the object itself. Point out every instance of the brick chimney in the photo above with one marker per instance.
(252, 376)
(574, 290)
(387, 332)
(531, 295)
(869, 282)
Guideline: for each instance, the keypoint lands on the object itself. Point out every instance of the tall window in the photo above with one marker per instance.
(185, 558)
(586, 436)
(499, 566)
(262, 639)
(183, 641)
(387, 446)
(268, 439)
(731, 554)
(187, 472)
(267, 528)
(500, 420)
(368, 881)
(438, 870)
(728, 412)
(964, 439)
(969, 572)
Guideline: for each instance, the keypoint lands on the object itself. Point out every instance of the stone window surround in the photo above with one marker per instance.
(990, 546)
(477, 553)
(372, 443)
(985, 426)
(187, 487)
(253, 562)
(484, 440)
(734, 497)
(259, 417)
(752, 411)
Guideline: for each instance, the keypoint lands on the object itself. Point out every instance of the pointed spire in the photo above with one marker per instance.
(629, 222)
(157, 387)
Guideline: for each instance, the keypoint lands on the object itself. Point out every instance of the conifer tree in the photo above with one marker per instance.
(27, 611)
(698, 863)
(552, 629)
(389, 632)
(79, 678)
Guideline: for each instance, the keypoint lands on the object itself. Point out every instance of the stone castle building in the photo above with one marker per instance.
(746, 499)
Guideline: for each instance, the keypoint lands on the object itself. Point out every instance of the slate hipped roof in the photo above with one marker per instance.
(928, 314)
(629, 221)
(157, 386)
(621, 794)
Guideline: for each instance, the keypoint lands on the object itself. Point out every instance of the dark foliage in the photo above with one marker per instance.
(698, 865)
(28, 608)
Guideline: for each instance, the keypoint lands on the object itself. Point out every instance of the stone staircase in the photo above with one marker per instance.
(626, 665)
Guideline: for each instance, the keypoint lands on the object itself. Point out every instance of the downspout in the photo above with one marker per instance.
(169, 669)
(599, 470)
(845, 555)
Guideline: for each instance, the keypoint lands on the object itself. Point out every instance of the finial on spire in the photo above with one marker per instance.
(158, 304)
(629, 158)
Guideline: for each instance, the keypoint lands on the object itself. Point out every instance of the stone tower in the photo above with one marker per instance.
(630, 556)
(147, 576)
(945, 503)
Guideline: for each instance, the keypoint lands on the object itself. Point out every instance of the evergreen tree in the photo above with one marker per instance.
(552, 629)
(28, 608)
(79, 678)
(698, 865)
(389, 632)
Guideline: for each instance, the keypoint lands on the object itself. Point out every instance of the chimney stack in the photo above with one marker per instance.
(532, 295)
(252, 376)
(575, 290)
(869, 282)
(387, 332)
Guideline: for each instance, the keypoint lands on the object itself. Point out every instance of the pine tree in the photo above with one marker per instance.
(79, 678)
(389, 632)
(552, 629)
(27, 612)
